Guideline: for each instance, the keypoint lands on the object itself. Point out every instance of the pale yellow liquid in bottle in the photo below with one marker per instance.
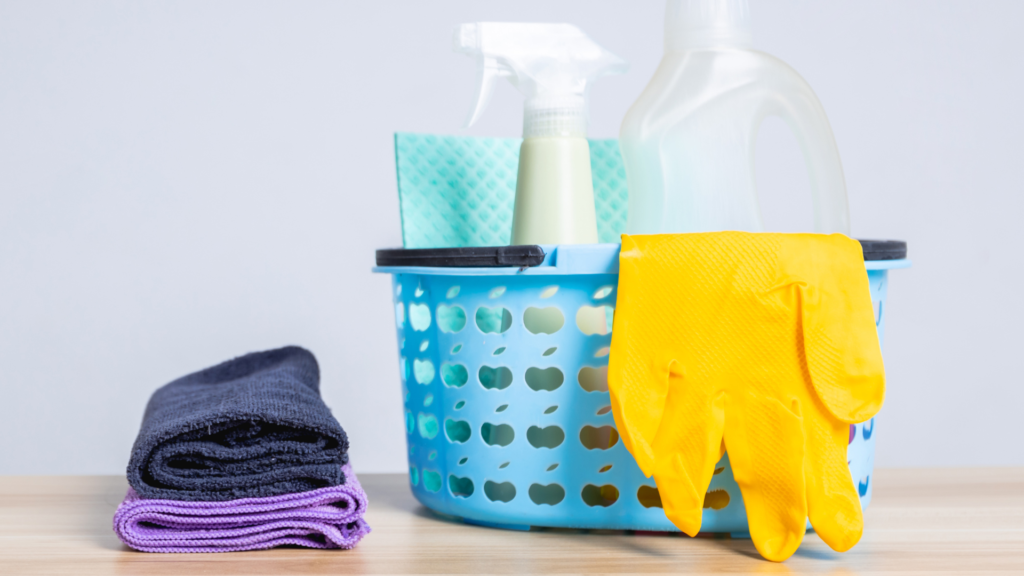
(554, 193)
(555, 203)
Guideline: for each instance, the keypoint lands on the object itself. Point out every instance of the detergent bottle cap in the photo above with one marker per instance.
(553, 66)
(696, 24)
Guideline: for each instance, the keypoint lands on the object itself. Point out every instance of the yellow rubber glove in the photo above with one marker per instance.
(763, 345)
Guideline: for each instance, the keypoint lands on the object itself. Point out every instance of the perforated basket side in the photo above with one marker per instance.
(505, 421)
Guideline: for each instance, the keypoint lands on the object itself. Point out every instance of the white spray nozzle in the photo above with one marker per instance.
(553, 66)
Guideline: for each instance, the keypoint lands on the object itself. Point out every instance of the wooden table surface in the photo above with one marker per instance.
(921, 521)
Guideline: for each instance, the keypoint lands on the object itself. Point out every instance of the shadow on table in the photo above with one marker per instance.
(100, 515)
(667, 546)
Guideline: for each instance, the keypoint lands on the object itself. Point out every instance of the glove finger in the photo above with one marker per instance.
(638, 389)
(765, 441)
(638, 379)
(832, 503)
(686, 448)
(841, 345)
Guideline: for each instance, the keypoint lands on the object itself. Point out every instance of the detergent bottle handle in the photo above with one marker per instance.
(801, 110)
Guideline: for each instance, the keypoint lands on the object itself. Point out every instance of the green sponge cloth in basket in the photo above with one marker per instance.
(457, 191)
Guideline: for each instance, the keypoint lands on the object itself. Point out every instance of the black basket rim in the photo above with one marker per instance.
(533, 255)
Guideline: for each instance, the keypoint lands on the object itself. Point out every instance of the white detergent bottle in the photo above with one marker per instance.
(688, 141)
(553, 66)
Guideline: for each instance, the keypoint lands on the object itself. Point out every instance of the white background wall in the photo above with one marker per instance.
(184, 182)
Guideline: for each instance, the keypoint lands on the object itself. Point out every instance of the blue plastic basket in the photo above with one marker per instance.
(509, 425)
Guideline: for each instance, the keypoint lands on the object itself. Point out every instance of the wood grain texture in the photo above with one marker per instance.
(921, 521)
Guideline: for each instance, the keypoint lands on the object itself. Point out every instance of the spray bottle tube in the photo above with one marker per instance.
(553, 66)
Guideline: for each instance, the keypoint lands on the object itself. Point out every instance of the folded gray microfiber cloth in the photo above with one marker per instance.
(251, 427)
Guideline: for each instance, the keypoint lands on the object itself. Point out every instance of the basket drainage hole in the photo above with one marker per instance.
(550, 494)
(452, 292)
(543, 320)
(463, 460)
(496, 292)
(414, 476)
(602, 438)
(551, 409)
(450, 319)
(460, 404)
(549, 292)
(649, 497)
(552, 467)
(497, 434)
(495, 378)
(456, 349)
(550, 351)
(419, 317)
(423, 371)
(603, 292)
(424, 345)
(503, 465)
(546, 379)
(602, 352)
(427, 425)
(595, 319)
(604, 410)
(457, 430)
(604, 469)
(431, 480)
(499, 351)
(603, 496)
(428, 400)
(493, 320)
(432, 455)
(454, 375)
(716, 499)
(550, 437)
(461, 487)
(499, 492)
(419, 291)
(501, 408)
(593, 379)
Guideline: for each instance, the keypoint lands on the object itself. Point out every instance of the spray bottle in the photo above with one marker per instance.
(553, 66)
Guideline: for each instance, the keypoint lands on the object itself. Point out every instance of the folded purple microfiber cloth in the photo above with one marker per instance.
(329, 517)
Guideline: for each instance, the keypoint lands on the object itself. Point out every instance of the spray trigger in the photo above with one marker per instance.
(553, 65)
(489, 71)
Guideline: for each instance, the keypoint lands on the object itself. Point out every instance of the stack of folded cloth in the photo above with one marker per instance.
(242, 456)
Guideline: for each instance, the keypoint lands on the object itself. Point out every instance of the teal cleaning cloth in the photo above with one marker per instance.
(457, 191)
